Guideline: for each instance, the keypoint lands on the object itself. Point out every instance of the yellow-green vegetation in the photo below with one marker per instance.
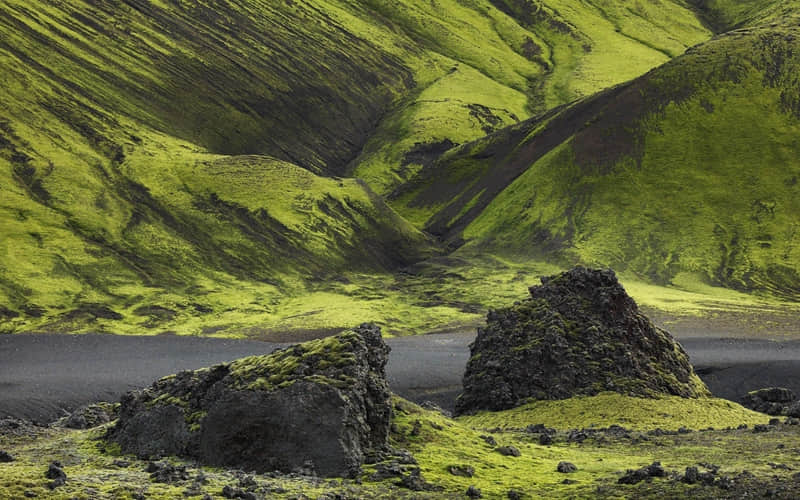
(171, 167)
(501, 61)
(657, 178)
(98, 471)
(156, 158)
(611, 408)
(286, 366)
(723, 15)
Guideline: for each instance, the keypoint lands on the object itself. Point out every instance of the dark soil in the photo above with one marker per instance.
(44, 377)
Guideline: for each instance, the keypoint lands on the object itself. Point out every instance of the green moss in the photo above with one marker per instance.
(606, 409)
(168, 399)
(436, 442)
(283, 368)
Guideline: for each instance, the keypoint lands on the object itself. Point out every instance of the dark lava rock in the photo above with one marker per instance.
(514, 495)
(692, 475)
(636, 476)
(164, 472)
(578, 333)
(545, 439)
(577, 436)
(566, 467)
(18, 428)
(5, 457)
(461, 470)
(57, 474)
(90, 416)
(324, 402)
(509, 451)
(415, 482)
(473, 492)
(231, 492)
(772, 400)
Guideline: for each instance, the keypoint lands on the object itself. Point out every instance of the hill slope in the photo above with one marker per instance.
(690, 169)
(161, 160)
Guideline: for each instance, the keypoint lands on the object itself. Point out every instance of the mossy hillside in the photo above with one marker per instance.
(216, 74)
(171, 233)
(437, 443)
(114, 117)
(723, 15)
(655, 178)
(503, 61)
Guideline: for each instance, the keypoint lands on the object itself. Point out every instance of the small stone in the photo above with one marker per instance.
(30, 494)
(774, 421)
(121, 463)
(760, 428)
(545, 439)
(489, 440)
(55, 472)
(461, 470)
(576, 436)
(414, 481)
(514, 495)
(724, 483)
(5, 457)
(656, 470)
(684, 430)
(473, 492)
(509, 451)
(569, 481)
(691, 476)
(566, 467)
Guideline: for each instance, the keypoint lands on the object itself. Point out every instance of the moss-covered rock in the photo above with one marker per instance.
(322, 404)
(579, 333)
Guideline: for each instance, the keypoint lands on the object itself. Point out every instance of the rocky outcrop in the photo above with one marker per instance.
(772, 401)
(322, 404)
(578, 333)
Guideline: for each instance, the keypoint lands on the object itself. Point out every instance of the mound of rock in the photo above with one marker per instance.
(578, 333)
(322, 405)
(773, 401)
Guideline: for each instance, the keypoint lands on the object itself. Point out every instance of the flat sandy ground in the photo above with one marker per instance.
(42, 377)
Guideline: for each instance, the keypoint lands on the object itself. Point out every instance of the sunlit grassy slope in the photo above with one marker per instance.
(689, 173)
(508, 59)
(161, 162)
(723, 15)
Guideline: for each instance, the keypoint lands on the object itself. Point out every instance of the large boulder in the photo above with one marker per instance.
(322, 404)
(772, 400)
(578, 333)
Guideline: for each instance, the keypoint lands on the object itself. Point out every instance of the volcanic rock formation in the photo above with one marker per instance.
(322, 404)
(578, 333)
(772, 401)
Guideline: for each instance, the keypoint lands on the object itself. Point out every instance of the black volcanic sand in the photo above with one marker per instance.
(42, 377)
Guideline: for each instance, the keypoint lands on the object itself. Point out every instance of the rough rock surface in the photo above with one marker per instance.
(323, 403)
(578, 333)
(90, 416)
(772, 400)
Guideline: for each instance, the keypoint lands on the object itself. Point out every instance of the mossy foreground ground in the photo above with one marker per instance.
(770, 456)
